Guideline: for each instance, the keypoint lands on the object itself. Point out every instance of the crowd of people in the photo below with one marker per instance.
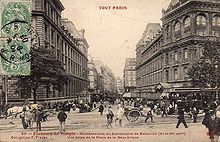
(31, 114)
(148, 109)
(164, 108)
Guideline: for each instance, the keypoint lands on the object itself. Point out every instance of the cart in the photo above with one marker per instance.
(133, 114)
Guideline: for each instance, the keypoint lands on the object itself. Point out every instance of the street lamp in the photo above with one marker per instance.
(216, 71)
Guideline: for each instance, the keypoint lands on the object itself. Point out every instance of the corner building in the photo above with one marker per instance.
(69, 46)
(164, 59)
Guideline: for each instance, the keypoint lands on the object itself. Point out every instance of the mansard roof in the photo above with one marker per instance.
(152, 29)
(174, 2)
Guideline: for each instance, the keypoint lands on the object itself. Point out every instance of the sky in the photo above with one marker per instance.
(112, 34)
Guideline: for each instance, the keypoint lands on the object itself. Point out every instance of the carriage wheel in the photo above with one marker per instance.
(133, 115)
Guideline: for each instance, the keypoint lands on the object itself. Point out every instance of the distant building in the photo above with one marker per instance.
(107, 77)
(129, 75)
(119, 85)
(93, 77)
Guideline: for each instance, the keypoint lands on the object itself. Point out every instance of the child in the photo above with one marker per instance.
(110, 116)
(62, 118)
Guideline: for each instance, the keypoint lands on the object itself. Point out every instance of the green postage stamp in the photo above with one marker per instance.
(15, 40)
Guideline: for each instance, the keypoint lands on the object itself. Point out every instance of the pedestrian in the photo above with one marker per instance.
(149, 111)
(181, 119)
(38, 118)
(24, 119)
(62, 118)
(216, 124)
(94, 105)
(101, 108)
(195, 114)
(110, 116)
(120, 113)
(209, 123)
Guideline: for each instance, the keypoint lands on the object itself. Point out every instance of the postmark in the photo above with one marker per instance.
(16, 37)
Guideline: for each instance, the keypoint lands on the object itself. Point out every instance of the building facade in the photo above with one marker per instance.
(119, 85)
(164, 61)
(66, 42)
(129, 75)
(93, 77)
(107, 78)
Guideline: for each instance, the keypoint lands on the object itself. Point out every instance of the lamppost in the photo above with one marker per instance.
(216, 77)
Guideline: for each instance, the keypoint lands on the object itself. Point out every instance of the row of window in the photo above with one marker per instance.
(152, 79)
(152, 66)
(75, 86)
(152, 49)
(176, 56)
(74, 61)
(130, 73)
(130, 83)
(52, 13)
(158, 77)
(130, 78)
(56, 41)
(176, 74)
(201, 23)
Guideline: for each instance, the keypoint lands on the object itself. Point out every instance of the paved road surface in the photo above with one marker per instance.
(91, 126)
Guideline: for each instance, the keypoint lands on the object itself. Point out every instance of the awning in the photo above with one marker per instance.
(131, 95)
(183, 90)
(165, 85)
(153, 96)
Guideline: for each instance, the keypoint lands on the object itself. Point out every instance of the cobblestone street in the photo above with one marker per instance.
(92, 127)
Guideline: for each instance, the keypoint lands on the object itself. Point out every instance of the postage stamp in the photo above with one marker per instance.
(15, 37)
(15, 58)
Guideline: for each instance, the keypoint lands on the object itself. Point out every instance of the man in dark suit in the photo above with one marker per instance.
(181, 119)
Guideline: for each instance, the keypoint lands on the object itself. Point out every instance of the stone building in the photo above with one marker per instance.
(129, 75)
(164, 61)
(107, 79)
(119, 85)
(66, 42)
(93, 77)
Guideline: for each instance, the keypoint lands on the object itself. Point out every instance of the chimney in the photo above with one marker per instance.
(82, 32)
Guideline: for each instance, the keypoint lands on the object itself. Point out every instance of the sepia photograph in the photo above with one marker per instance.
(110, 70)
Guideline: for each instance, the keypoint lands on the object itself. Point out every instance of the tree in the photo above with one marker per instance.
(46, 70)
(205, 73)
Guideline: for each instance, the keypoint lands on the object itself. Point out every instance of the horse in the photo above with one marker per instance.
(15, 110)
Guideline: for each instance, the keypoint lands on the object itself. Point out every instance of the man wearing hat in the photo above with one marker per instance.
(38, 118)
